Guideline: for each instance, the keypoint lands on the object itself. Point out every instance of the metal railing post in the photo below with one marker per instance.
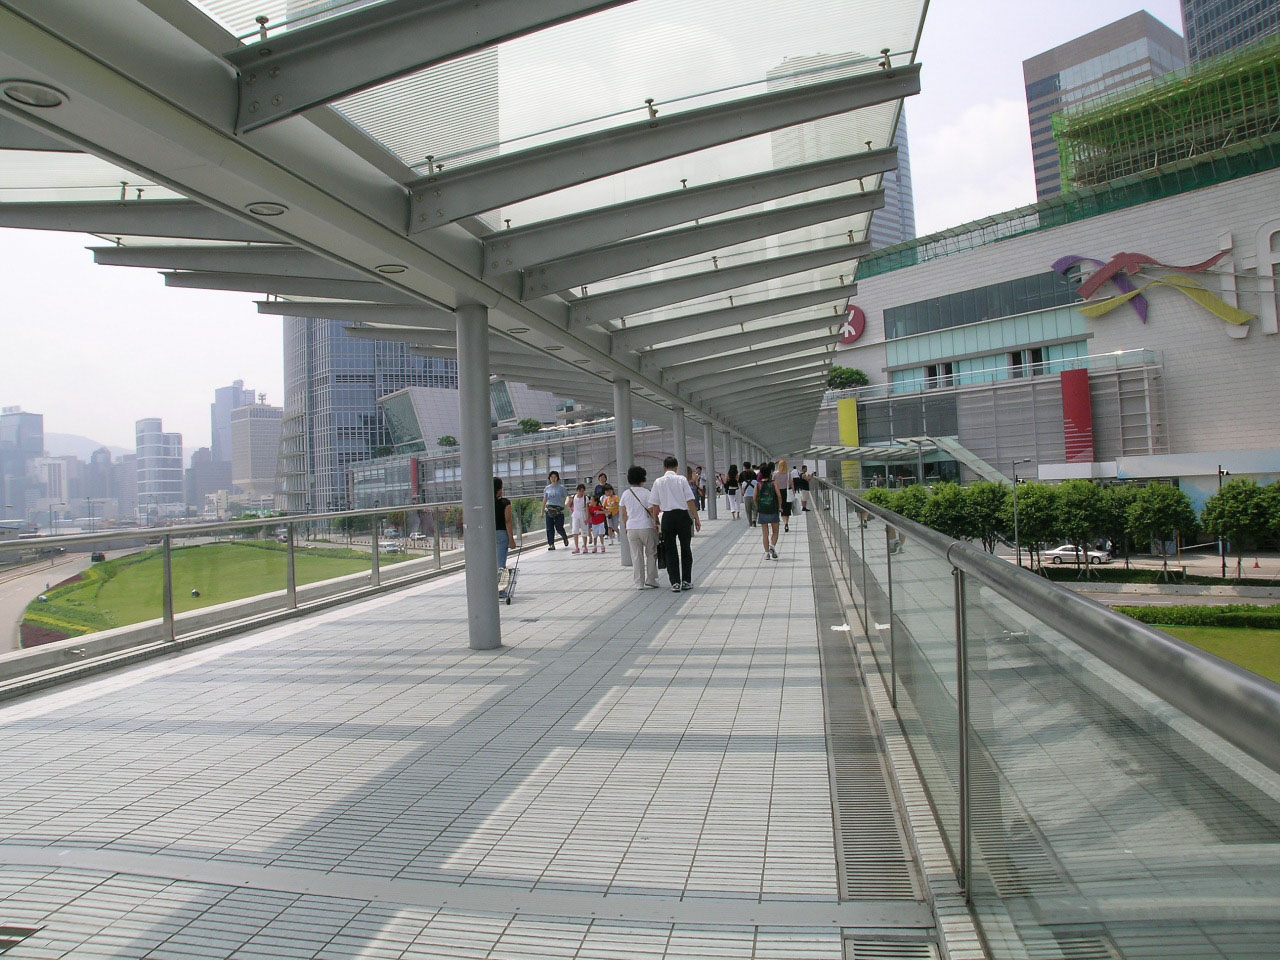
(169, 630)
(862, 557)
(435, 536)
(375, 572)
(962, 700)
(890, 537)
(291, 573)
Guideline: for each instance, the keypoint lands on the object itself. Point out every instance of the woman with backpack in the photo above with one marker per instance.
(768, 508)
(731, 491)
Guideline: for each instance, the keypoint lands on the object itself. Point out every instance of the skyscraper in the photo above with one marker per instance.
(255, 449)
(332, 383)
(840, 135)
(1219, 26)
(1116, 57)
(21, 442)
(225, 399)
(160, 482)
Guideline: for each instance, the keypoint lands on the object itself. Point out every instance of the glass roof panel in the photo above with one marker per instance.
(29, 176)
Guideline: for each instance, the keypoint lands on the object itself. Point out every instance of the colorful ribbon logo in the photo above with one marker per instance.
(1122, 266)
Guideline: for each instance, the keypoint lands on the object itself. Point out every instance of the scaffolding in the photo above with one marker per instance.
(1221, 105)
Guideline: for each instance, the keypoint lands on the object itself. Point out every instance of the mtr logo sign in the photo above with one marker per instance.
(854, 326)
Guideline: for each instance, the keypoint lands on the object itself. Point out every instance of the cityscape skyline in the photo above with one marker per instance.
(182, 344)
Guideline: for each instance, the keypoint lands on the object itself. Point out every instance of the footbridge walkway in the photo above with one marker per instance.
(718, 773)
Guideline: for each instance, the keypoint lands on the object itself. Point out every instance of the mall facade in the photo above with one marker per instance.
(1123, 333)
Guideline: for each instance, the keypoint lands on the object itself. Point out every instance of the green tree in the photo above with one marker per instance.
(912, 502)
(1159, 512)
(947, 511)
(843, 378)
(1113, 523)
(881, 497)
(1079, 516)
(448, 440)
(529, 424)
(1238, 514)
(986, 503)
(1271, 503)
(383, 451)
(1037, 517)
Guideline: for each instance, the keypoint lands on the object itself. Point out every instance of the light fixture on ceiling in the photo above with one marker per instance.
(31, 93)
(266, 208)
(583, 361)
(518, 330)
(554, 347)
(390, 268)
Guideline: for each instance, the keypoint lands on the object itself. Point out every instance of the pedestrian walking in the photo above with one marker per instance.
(679, 506)
(700, 488)
(782, 480)
(802, 488)
(768, 506)
(639, 515)
(747, 492)
(579, 530)
(611, 503)
(554, 495)
(731, 492)
(602, 481)
(504, 523)
(596, 522)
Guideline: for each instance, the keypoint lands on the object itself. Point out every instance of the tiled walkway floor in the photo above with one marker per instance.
(634, 774)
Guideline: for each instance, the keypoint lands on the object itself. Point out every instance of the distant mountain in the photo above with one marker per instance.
(74, 445)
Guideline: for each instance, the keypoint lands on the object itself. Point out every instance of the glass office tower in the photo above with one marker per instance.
(1220, 26)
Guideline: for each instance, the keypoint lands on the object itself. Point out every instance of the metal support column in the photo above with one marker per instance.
(728, 459)
(890, 541)
(170, 632)
(963, 854)
(291, 573)
(375, 568)
(709, 467)
(480, 546)
(681, 450)
(626, 456)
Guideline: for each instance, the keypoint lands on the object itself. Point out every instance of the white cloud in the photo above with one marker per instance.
(972, 167)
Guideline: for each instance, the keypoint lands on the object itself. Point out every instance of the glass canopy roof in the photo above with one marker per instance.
(584, 78)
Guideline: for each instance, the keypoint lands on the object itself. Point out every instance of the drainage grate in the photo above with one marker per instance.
(862, 948)
(875, 862)
(11, 936)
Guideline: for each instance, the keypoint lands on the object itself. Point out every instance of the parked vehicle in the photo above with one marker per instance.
(1070, 553)
(97, 557)
(390, 546)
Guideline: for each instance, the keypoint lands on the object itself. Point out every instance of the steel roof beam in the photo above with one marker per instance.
(684, 372)
(278, 260)
(366, 290)
(628, 256)
(602, 307)
(773, 369)
(304, 68)
(392, 314)
(799, 380)
(486, 185)
(713, 346)
(677, 328)
(139, 218)
(800, 389)
(515, 249)
(18, 136)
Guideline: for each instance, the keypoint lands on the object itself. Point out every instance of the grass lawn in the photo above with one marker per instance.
(129, 589)
(1253, 649)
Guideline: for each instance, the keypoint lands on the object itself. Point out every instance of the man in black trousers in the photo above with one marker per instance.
(675, 498)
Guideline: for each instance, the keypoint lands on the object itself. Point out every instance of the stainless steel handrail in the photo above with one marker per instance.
(199, 529)
(1236, 704)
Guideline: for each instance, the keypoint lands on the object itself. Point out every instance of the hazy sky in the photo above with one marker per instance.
(96, 348)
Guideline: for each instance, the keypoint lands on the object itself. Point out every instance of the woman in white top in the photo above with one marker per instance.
(639, 515)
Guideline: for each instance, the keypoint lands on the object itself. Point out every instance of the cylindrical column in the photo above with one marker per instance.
(435, 537)
(480, 545)
(728, 459)
(709, 468)
(170, 631)
(291, 574)
(626, 456)
(677, 428)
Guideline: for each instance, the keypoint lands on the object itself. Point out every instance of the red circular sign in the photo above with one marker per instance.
(855, 324)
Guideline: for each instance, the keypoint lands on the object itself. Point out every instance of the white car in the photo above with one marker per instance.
(390, 546)
(1069, 553)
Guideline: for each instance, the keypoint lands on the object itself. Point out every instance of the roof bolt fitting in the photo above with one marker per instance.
(653, 111)
(507, 222)
(276, 101)
(886, 63)
(251, 79)
(253, 107)
(273, 72)
(262, 21)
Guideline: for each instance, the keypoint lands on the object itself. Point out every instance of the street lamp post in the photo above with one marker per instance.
(1017, 539)
(1222, 544)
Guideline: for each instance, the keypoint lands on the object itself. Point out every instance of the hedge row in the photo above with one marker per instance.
(1236, 615)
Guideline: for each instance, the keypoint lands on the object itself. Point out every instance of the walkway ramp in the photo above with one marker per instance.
(635, 774)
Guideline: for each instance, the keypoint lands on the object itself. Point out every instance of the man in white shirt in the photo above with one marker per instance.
(639, 514)
(674, 497)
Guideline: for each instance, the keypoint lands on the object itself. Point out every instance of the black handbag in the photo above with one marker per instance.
(662, 554)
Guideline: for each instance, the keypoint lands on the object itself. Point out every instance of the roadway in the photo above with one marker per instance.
(19, 588)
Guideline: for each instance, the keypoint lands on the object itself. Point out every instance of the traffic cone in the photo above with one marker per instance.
(1255, 563)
